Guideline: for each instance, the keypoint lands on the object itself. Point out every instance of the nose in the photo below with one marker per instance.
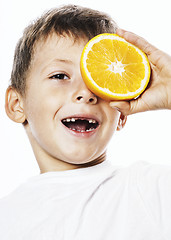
(90, 99)
(84, 95)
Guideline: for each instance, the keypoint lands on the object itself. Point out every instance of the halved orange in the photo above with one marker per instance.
(113, 68)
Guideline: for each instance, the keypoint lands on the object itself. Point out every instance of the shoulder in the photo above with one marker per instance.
(152, 173)
(156, 176)
(153, 183)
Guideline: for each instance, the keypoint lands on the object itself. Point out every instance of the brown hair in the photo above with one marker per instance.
(75, 21)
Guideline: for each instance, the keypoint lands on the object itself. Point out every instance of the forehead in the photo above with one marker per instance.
(58, 45)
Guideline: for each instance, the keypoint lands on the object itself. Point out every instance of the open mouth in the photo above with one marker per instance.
(80, 124)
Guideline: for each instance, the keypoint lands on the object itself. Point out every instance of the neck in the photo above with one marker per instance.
(53, 165)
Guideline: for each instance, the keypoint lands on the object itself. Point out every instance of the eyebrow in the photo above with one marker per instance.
(67, 61)
(62, 60)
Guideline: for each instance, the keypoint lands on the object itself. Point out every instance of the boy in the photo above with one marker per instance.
(79, 194)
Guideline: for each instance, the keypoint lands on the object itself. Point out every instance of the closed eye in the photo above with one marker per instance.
(59, 76)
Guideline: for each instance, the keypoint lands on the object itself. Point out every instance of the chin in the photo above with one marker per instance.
(85, 158)
(79, 158)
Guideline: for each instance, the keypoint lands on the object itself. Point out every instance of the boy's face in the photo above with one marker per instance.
(65, 120)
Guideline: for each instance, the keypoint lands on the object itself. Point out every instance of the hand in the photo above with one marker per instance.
(158, 93)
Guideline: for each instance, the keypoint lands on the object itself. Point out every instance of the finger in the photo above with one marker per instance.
(130, 107)
(137, 41)
(121, 106)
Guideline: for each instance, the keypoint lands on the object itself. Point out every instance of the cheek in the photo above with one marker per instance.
(115, 115)
(112, 117)
(110, 123)
(42, 103)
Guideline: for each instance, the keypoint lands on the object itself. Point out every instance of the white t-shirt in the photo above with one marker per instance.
(102, 202)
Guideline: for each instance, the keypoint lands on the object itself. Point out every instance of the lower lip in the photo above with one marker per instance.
(81, 134)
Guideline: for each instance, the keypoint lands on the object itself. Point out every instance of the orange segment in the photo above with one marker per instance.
(114, 69)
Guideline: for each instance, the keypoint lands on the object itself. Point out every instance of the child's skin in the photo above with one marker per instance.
(56, 91)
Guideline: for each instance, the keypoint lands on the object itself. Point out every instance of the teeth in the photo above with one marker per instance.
(73, 120)
(92, 121)
(69, 120)
(88, 130)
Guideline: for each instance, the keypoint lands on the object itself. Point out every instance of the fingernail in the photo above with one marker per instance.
(120, 31)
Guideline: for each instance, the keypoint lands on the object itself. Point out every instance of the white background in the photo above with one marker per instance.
(146, 136)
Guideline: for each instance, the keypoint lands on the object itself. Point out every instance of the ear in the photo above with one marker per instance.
(14, 105)
(122, 122)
